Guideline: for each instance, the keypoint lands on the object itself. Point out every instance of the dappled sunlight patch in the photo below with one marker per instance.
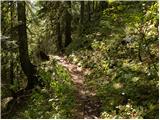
(117, 85)
(135, 79)
(87, 72)
(123, 112)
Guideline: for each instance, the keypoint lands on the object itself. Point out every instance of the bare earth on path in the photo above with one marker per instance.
(88, 105)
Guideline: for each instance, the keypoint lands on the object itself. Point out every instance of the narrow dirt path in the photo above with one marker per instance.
(88, 104)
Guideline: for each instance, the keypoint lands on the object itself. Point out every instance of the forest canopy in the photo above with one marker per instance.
(79, 59)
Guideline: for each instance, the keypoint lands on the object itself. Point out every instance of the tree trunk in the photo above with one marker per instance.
(68, 19)
(93, 4)
(89, 11)
(11, 34)
(59, 37)
(58, 30)
(26, 65)
(82, 12)
(11, 71)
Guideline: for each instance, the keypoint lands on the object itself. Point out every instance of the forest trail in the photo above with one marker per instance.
(88, 105)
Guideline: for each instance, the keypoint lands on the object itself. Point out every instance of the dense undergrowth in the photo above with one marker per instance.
(55, 100)
(124, 75)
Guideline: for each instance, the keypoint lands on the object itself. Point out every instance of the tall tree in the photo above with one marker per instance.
(89, 11)
(82, 12)
(68, 19)
(11, 61)
(93, 4)
(59, 36)
(26, 65)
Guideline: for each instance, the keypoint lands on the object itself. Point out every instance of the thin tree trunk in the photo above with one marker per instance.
(68, 19)
(82, 12)
(11, 61)
(59, 37)
(58, 30)
(89, 12)
(93, 4)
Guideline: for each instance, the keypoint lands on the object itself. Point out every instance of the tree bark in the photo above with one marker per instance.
(68, 19)
(58, 30)
(93, 4)
(26, 65)
(89, 11)
(82, 12)
(11, 34)
(59, 38)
